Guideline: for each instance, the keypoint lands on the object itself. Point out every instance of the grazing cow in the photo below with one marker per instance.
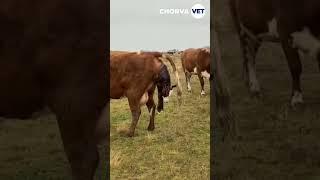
(196, 61)
(52, 55)
(293, 23)
(135, 76)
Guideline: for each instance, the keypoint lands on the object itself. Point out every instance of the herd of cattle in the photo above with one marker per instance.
(136, 75)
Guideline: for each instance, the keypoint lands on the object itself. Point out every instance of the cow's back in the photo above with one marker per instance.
(196, 58)
(130, 71)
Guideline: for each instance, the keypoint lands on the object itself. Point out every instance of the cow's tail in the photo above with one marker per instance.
(222, 92)
(176, 73)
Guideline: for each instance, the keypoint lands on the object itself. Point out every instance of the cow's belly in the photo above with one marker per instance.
(259, 18)
(116, 91)
(20, 95)
(191, 67)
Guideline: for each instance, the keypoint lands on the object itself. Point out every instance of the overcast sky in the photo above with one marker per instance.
(138, 25)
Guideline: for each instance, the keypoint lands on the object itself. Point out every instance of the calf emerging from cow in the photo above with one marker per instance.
(135, 76)
(293, 23)
(196, 61)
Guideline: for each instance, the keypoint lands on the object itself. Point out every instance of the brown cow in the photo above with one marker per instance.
(52, 55)
(293, 23)
(135, 76)
(196, 61)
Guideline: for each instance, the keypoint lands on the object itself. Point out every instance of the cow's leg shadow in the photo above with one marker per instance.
(201, 83)
(249, 49)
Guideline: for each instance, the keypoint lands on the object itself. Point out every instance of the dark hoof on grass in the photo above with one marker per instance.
(126, 133)
(150, 128)
(297, 106)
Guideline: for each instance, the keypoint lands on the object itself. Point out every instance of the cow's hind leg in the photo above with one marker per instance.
(151, 108)
(249, 49)
(77, 119)
(135, 112)
(201, 83)
(188, 78)
(294, 64)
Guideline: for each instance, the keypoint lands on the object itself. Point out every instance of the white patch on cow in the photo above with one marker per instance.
(202, 92)
(297, 98)
(306, 42)
(273, 27)
(205, 74)
(195, 70)
(166, 99)
(188, 85)
(144, 98)
(254, 86)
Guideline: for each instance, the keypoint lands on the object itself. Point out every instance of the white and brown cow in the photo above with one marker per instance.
(196, 61)
(293, 23)
(136, 76)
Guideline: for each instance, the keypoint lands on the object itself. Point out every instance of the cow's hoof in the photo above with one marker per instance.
(150, 128)
(254, 89)
(297, 100)
(203, 93)
(126, 132)
(256, 93)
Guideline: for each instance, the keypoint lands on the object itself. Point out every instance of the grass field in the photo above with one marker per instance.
(32, 150)
(277, 142)
(178, 148)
